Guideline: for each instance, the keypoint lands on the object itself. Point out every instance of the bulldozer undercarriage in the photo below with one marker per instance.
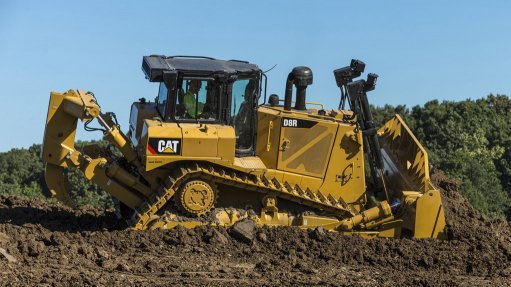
(193, 188)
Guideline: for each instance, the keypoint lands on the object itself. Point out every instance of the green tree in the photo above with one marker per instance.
(22, 174)
(469, 140)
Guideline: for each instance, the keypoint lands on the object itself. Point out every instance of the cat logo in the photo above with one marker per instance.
(167, 146)
(164, 146)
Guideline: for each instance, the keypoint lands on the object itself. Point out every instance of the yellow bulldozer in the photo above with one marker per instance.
(205, 152)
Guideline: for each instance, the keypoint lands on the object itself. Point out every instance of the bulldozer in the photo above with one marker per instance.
(213, 149)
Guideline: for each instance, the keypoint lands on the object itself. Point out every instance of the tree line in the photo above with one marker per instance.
(469, 140)
(22, 174)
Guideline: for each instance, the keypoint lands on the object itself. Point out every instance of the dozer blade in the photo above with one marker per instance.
(406, 172)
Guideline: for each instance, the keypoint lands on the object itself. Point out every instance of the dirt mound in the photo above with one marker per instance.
(54, 245)
(464, 222)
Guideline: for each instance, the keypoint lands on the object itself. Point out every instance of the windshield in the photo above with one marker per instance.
(197, 100)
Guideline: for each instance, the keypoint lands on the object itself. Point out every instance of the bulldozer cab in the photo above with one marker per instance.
(207, 91)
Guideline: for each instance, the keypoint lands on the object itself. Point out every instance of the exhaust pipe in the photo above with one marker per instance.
(289, 92)
(301, 77)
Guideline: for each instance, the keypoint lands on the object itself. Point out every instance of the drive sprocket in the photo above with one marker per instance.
(196, 197)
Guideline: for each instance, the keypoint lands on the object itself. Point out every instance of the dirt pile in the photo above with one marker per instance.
(54, 246)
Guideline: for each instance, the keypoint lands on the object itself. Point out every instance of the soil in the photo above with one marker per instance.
(51, 245)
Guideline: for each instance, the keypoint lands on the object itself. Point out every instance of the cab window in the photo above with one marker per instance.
(197, 100)
(242, 103)
(162, 99)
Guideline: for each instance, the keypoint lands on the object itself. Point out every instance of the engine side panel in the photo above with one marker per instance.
(345, 177)
(305, 145)
(170, 142)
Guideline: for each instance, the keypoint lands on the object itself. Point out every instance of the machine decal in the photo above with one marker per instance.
(164, 146)
(297, 123)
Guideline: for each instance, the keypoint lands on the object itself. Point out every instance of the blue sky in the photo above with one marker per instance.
(422, 51)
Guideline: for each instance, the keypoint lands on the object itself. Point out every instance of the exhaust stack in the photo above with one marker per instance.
(301, 77)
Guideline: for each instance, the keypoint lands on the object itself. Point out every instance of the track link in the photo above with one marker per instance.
(217, 174)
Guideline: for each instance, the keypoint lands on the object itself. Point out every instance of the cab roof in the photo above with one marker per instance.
(154, 66)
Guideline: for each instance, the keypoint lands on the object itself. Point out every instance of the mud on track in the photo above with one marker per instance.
(57, 246)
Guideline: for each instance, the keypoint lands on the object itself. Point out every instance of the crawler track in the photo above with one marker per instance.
(217, 174)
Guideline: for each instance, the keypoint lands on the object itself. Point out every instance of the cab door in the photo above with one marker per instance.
(242, 110)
